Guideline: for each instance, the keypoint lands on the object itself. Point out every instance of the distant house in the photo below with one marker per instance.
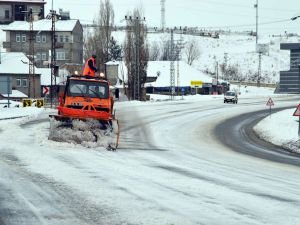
(117, 73)
(14, 10)
(158, 78)
(15, 65)
(69, 40)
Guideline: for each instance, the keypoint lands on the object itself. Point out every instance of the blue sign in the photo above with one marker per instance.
(5, 85)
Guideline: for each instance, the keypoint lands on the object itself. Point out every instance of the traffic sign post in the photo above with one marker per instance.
(6, 87)
(297, 113)
(270, 103)
(45, 90)
(182, 93)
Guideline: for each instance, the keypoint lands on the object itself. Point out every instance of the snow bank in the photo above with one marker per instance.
(280, 129)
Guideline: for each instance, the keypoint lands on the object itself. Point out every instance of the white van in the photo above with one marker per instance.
(231, 96)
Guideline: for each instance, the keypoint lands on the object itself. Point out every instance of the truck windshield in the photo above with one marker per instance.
(90, 89)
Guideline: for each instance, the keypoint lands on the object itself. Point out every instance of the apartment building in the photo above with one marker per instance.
(68, 41)
(15, 10)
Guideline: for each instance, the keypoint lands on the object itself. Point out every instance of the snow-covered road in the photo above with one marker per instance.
(169, 169)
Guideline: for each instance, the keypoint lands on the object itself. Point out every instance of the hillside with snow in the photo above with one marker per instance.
(240, 50)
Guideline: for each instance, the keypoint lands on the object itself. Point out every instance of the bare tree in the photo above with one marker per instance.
(192, 51)
(154, 52)
(166, 46)
(136, 55)
(98, 41)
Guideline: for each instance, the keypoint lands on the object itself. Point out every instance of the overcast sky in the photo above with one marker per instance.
(230, 14)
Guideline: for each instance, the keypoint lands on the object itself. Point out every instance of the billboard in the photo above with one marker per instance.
(196, 83)
(262, 48)
(5, 85)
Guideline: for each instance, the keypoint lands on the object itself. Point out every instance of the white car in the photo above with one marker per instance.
(231, 96)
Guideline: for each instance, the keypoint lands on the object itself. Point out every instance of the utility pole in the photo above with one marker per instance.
(54, 68)
(225, 65)
(178, 56)
(259, 68)
(256, 35)
(172, 68)
(31, 55)
(163, 15)
(299, 84)
(136, 23)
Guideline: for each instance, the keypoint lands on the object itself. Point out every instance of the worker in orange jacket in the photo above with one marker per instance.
(90, 66)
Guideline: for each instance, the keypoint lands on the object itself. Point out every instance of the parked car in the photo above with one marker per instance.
(231, 96)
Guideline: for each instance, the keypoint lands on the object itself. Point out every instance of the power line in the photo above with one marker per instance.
(246, 25)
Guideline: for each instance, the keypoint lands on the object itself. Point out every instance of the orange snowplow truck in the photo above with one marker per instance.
(88, 98)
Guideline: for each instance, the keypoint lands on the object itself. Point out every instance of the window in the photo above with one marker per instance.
(44, 38)
(18, 82)
(38, 38)
(90, 89)
(97, 91)
(66, 38)
(38, 56)
(44, 56)
(18, 38)
(61, 38)
(23, 38)
(24, 82)
(6, 14)
(60, 55)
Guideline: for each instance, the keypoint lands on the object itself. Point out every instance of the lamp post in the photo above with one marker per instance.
(299, 77)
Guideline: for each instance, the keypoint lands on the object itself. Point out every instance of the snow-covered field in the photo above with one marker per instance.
(240, 51)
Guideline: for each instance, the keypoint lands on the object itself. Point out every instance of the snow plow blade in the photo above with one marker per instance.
(87, 132)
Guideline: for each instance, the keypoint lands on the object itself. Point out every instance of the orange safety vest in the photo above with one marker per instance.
(87, 71)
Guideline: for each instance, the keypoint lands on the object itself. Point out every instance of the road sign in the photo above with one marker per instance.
(262, 48)
(45, 90)
(270, 102)
(27, 102)
(297, 111)
(196, 83)
(39, 103)
(214, 81)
